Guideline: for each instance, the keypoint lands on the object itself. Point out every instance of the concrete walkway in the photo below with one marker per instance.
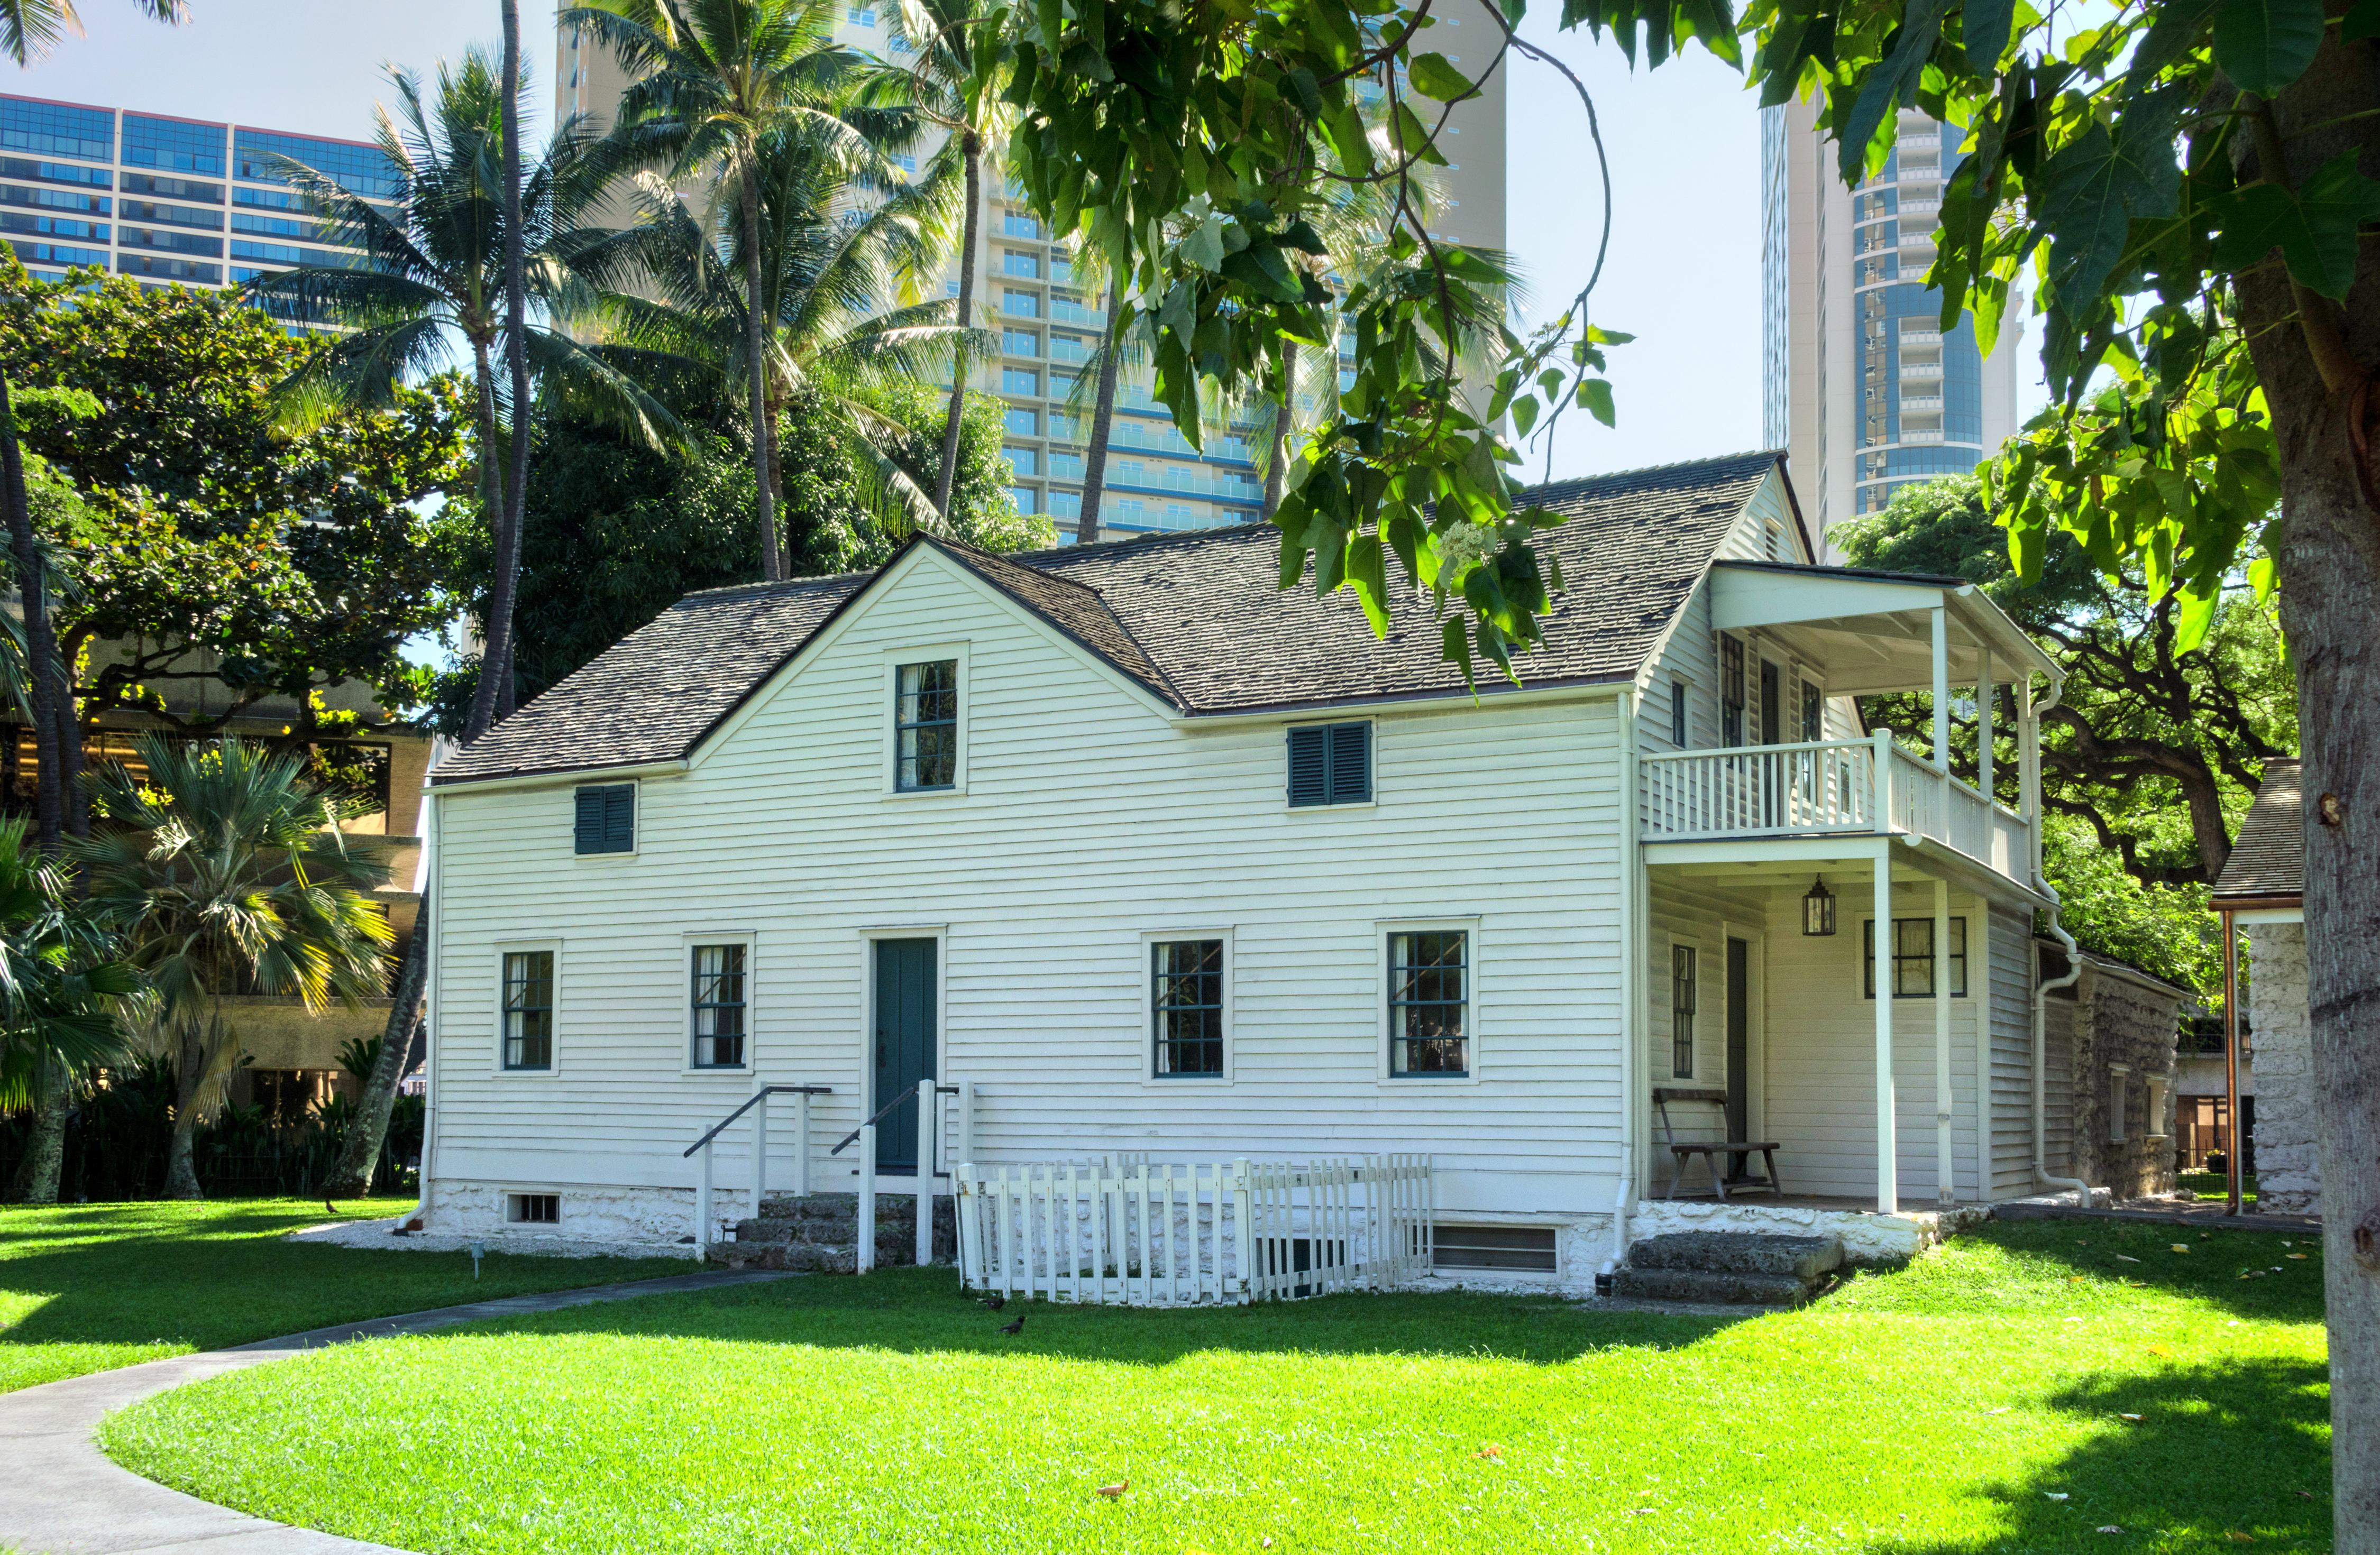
(62, 1494)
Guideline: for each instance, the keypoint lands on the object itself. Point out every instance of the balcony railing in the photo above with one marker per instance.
(1826, 787)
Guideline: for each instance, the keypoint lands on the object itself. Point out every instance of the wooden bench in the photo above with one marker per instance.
(1681, 1152)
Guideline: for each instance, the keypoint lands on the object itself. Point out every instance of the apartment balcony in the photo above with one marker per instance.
(1923, 338)
(1920, 369)
(1920, 434)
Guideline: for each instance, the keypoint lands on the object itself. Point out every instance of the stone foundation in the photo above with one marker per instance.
(639, 1222)
(1868, 1238)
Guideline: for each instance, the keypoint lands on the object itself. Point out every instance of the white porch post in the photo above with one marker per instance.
(865, 1260)
(760, 1150)
(1887, 1174)
(929, 1131)
(1984, 688)
(1941, 626)
(1945, 1167)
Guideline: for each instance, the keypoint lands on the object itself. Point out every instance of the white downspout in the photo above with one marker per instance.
(1631, 977)
(2030, 731)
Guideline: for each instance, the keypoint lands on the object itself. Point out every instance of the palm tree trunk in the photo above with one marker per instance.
(1094, 464)
(181, 1163)
(74, 802)
(495, 698)
(40, 648)
(359, 1152)
(45, 1150)
(756, 345)
(972, 238)
(1277, 471)
(492, 503)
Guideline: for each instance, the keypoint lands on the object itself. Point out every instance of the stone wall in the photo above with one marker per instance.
(2124, 1037)
(2289, 1178)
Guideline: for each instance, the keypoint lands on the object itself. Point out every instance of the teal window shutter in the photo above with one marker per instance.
(1330, 763)
(605, 819)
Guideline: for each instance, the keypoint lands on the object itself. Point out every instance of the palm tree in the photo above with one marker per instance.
(714, 81)
(30, 29)
(224, 869)
(60, 988)
(828, 266)
(435, 281)
(956, 75)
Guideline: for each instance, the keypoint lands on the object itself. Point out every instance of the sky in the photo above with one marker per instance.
(1684, 275)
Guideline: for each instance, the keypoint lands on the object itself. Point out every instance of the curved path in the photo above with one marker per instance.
(63, 1495)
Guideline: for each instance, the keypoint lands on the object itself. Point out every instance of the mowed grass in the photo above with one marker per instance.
(1982, 1400)
(84, 1287)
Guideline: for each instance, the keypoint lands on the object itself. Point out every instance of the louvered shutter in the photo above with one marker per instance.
(1309, 766)
(1351, 764)
(587, 837)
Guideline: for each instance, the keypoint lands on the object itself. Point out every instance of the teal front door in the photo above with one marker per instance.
(904, 1044)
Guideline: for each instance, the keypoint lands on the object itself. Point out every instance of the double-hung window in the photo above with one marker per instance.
(1730, 691)
(926, 727)
(528, 1009)
(1684, 994)
(1186, 1006)
(1678, 729)
(719, 1007)
(1912, 958)
(1429, 1002)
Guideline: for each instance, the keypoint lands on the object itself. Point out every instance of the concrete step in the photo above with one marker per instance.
(1711, 1287)
(1808, 1259)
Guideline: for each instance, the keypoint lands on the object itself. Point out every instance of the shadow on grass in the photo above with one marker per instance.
(2237, 1448)
(2265, 1276)
(924, 1311)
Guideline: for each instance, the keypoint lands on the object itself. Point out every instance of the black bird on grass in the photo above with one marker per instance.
(1016, 1328)
(331, 1207)
(995, 1301)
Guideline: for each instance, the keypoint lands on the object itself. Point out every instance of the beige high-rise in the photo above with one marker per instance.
(1049, 327)
(1860, 382)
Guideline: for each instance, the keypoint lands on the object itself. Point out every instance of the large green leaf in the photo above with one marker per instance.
(1891, 81)
(2097, 185)
(1434, 76)
(2317, 230)
(2264, 45)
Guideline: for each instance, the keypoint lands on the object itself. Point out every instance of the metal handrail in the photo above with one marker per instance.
(754, 1100)
(908, 1092)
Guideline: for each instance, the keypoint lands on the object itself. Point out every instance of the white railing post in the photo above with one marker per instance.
(802, 1144)
(964, 1148)
(1880, 780)
(702, 1229)
(759, 1149)
(930, 1112)
(866, 1227)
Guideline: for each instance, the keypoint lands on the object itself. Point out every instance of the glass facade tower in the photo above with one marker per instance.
(168, 200)
(1861, 383)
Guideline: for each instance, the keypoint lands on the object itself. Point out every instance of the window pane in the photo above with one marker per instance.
(1187, 992)
(1683, 998)
(925, 714)
(719, 1007)
(1427, 1003)
(528, 1009)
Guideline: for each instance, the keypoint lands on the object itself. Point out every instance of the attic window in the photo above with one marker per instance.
(926, 725)
(606, 821)
(1330, 763)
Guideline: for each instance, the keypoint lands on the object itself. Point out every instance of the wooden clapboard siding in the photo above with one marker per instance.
(1087, 819)
(2012, 982)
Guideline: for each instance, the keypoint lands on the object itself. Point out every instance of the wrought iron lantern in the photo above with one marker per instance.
(1818, 909)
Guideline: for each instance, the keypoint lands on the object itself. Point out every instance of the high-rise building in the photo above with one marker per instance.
(1860, 382)
(1050, 326)
(163, 199)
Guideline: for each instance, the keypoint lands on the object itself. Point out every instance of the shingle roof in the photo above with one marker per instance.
(2270, 858)
(1197, 618)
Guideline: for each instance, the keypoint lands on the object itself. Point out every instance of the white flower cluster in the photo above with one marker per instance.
(1464, 542)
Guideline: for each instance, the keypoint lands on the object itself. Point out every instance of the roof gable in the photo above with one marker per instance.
(1197, 619)
(2270, 858)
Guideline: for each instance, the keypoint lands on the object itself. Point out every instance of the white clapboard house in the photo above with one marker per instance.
(1144, 859)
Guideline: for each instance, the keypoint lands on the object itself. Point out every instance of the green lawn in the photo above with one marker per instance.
(85, 1287)
(2215, 1184)
(1977, 1401)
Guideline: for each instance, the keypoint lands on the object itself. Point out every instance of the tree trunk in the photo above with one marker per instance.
(495, 697)
(1095, 463)
(1283, 420)
(971, 145)
(2328, 549)
(492, 504)
(41, 649)
(756, 349)
(206, 1057)
(359, 1152)
(45, 1146)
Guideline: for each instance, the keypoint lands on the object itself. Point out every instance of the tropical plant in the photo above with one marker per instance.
(714, 83)
(30, 29)
(955, 47)
(433, 285)
(61, 989)
(829, 324)
(224, 870)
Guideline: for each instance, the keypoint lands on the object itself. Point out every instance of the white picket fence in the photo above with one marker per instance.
(1123, 1232)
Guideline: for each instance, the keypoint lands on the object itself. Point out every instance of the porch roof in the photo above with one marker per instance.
(1870, 629)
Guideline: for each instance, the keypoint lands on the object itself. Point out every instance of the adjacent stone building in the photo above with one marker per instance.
(2111, 1036)
(2262, 892)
